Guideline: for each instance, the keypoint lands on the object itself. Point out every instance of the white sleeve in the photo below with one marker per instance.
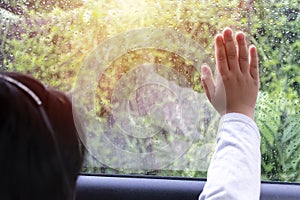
(234, 171)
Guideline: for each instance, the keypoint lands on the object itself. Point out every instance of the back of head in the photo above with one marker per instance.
(36, 162)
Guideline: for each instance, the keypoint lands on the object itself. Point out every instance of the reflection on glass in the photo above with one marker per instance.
(53, 39)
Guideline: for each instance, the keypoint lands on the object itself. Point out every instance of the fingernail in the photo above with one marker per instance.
(219, 40)
(228, 32)
(241, 36)
(204, 72)
(203, 68)
(252, 48)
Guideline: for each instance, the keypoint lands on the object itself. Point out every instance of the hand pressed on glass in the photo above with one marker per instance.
(237, 75)
(236, 160)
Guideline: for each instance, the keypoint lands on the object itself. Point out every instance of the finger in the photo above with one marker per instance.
(242, 52)
(254, 63)
(220, 52)
(207, 81)
(230, 50)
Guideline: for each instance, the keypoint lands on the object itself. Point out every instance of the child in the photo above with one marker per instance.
(40, 153)
(234, 172)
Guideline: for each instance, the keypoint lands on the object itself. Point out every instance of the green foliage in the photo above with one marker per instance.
(51, 39)
(23, 7)
(279, 128)
(268, 121)
(275, 31)
(290, 147)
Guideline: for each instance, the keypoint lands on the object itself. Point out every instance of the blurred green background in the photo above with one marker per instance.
(51, 38)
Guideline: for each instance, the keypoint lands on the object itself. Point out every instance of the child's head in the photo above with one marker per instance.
(40, 154)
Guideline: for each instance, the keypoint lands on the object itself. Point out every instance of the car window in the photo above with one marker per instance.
(132, 71)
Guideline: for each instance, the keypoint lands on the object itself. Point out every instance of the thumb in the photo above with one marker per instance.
(207, 81)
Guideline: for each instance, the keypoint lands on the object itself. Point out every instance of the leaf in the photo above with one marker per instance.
(291, 147)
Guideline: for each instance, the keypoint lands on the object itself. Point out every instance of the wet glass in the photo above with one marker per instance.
(132, 71)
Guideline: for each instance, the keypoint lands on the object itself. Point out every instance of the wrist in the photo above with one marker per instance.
(248, 111)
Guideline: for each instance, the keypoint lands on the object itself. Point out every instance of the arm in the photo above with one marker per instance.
(234, 171)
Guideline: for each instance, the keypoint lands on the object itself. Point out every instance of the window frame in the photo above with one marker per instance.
(111, 187)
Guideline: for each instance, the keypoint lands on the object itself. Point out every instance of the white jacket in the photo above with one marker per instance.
(234, 171)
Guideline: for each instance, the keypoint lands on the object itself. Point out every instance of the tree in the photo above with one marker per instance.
(20, 7)
(275, 31)
(51, 39)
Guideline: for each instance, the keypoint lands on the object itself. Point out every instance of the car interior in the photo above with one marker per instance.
(132, 71)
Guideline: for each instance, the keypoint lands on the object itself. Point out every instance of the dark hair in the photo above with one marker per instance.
(35, 161)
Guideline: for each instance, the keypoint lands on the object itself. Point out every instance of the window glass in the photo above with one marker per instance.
(132, 71)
